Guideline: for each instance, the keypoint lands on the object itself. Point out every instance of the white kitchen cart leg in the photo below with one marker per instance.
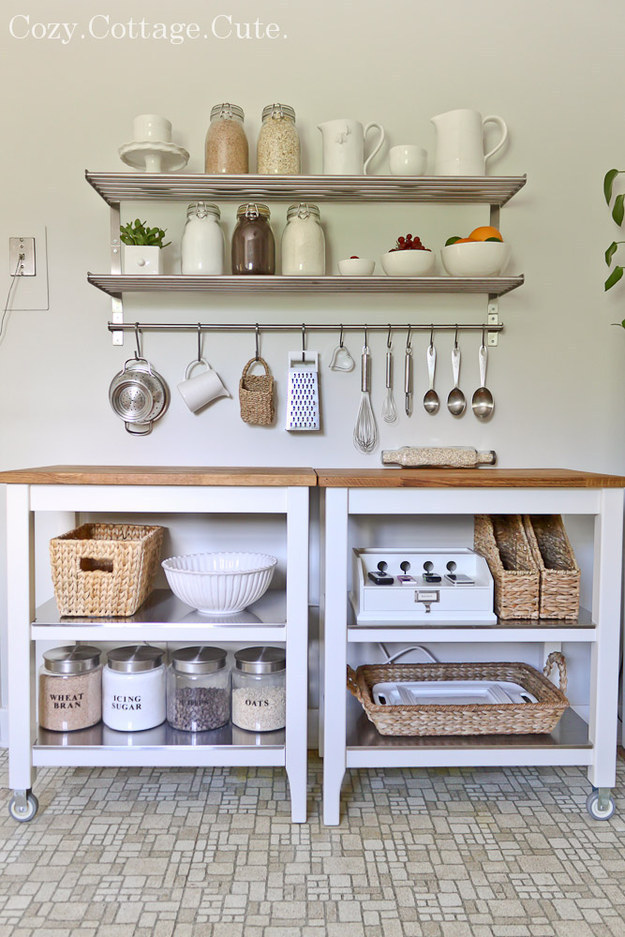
(282, 616)
(351, 742)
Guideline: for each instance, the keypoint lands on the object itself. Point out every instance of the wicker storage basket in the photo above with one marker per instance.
(104, 570)
(502, 540)
(256, 395)
(464, 719)
(554, 557)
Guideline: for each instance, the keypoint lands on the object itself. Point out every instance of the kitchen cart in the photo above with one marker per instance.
(281, 617)
(350, 741)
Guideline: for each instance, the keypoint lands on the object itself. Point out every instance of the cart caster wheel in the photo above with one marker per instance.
(23, 812)
(600, 809)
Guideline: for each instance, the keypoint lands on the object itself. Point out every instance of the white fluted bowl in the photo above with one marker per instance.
(219, 583)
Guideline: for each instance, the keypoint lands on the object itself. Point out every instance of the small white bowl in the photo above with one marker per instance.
(475, 258)
(356, 267)
(219, 583)
(407, 263)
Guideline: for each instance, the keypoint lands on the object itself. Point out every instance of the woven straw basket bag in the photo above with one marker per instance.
(256, 395)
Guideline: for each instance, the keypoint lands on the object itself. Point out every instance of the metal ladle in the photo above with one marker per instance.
(482, 401)
(431, 403)
(456, 401)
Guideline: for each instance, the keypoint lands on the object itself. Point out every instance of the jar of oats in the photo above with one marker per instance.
(278, 150)
(226, 149)
(303, 242)
(70, 688)
(259, 689)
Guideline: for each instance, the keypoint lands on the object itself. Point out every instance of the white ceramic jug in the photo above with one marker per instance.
(460, 142)
(344, 145)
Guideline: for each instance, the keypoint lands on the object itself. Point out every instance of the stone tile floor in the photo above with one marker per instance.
(212, 853)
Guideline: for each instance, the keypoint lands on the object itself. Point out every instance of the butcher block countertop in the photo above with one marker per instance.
(160, 475)
(309, 477)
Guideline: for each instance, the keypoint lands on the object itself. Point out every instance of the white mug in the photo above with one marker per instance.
(199, 390)
(151, 128)
(407, 160)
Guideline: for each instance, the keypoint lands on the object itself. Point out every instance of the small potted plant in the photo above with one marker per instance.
(142, 247)
(618, 212)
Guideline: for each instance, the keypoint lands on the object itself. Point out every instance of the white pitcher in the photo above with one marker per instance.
(344, 145)
(460, 142)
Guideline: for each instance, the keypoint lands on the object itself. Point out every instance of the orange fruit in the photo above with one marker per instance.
(484, 232)
(463, 240)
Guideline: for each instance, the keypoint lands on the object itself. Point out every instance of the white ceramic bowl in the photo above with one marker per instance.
(475, 258)
(356, 267)
(219, 583)
(407, 263)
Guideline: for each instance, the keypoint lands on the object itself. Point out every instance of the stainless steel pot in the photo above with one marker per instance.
(139, 395)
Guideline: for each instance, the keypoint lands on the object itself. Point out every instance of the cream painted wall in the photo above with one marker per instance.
(553, 71)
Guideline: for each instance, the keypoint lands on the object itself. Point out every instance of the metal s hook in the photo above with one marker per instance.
(137, 340)
(257, 342)
(199, 341)
(366, 344)
(389, 343)
(432, 335)
(408, 345)
(341, 336)
(483, 334)
(456, 336)
(303, 341)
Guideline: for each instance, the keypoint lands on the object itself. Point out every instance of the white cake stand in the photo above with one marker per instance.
(154, 157)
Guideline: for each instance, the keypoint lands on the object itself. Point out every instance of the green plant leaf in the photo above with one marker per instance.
(452, 240)
(618, 211)
(614, 277)
(608, 182)
(609, 254)
(499, 241)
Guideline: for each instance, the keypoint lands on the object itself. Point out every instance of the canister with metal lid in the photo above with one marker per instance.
(134, 688)
(198, 689)
(70, 688)
(259, 689)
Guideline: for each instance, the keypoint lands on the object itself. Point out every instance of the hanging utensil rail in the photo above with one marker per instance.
(296, 327)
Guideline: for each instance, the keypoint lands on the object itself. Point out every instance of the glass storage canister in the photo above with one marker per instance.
(303, 242)
(278, 148)
(70, 688)
(198, 689)
(253, 245)
(259, 689)
(202, 246)
(226, 148)
(134, 688)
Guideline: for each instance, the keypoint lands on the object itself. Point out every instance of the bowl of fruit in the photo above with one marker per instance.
(409, 258)
(482, 254)
(356, 266)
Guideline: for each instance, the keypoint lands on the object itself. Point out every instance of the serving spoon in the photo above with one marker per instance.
(456, 401)
(482, 401)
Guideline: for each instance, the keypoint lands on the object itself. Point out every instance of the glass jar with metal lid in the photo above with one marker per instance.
(253, 244)
(259, 689)
(134, 688)
(70, 688)
(303, 242)
(226, 148)
(278, 149)
(198, 689)
(202, 246)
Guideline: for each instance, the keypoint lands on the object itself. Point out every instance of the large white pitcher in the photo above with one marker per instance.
(460, 142)
(344, 145)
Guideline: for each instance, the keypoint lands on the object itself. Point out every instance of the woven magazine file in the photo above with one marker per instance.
(502, 540)
(256, 395)
(104, 570)
(554, 557)
(464, 719)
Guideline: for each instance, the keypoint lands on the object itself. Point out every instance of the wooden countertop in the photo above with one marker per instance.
(159, 475)
(465, 478)
(309, 477)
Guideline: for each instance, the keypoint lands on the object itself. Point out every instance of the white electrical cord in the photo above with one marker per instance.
(391, 658)
(8, 299)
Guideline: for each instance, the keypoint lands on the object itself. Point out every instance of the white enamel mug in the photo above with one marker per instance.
(199, 390)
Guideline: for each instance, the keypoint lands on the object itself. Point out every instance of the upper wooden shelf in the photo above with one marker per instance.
(115, 187)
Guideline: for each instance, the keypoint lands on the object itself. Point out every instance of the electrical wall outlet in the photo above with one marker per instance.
(22, 256)
(30, 291)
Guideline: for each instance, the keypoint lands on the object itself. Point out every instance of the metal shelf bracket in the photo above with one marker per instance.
(492, 318)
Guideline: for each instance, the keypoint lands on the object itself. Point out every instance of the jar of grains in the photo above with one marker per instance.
(253, 245)
(70, 688)
(278, 149)
(202, 246)
(198, 689)
(134, 688)
(303, 242)
(259, 689)
(226, 149)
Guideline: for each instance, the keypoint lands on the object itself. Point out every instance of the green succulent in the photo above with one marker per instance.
(137, 233)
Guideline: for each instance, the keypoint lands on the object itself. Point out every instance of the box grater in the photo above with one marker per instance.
(302, 411)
